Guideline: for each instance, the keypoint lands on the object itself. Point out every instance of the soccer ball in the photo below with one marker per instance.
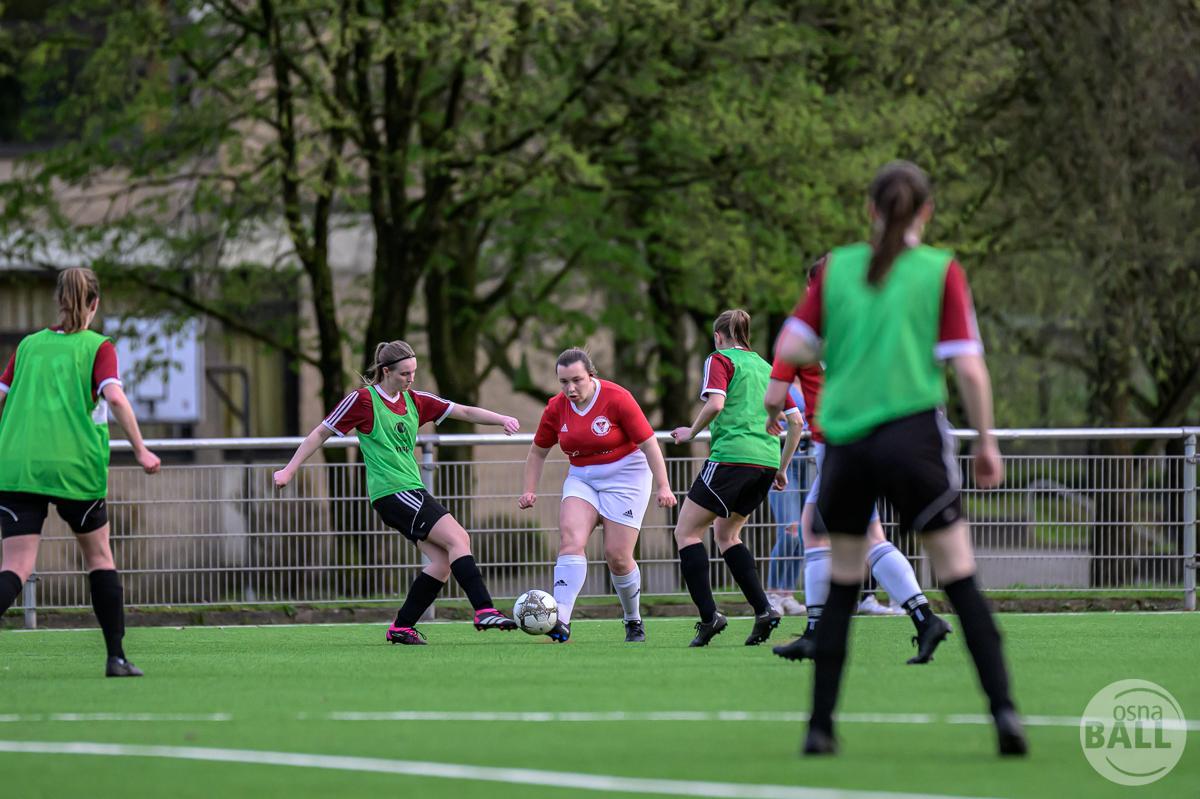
(536, 612)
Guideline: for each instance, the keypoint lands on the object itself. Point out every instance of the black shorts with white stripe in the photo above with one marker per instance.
(413, 513)
(910, 462)
(727, 488)
(23, 513)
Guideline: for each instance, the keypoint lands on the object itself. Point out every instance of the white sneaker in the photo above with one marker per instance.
(792, 607)
(776, 603)
(873, 607)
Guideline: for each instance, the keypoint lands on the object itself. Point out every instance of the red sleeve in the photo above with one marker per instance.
(547, 430)
(7, 378)
(104, 368)
(785, 372)
(718, 371)
(789, 404)
(634, 420)
(431, 407)
(958, 332)
(806, 318)
(352, 413)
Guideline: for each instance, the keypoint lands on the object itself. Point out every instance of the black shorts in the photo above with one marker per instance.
(910, 462)
(413, 513)
(22, 513)
(726, 488)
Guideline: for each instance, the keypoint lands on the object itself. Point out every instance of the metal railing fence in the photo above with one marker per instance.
(204, 534)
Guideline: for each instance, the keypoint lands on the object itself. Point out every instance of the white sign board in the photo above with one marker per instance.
(162, 370)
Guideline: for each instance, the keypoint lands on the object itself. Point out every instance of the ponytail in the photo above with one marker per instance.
(387, 354)
(898, 192)
(734, 325)
(77, 291)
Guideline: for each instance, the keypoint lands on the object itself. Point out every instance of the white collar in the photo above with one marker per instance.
(383, 394)
(591, 402)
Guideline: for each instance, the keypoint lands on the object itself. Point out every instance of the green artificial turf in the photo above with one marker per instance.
(278, 686)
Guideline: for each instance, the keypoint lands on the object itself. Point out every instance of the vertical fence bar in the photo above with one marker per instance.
(1189, 522)
(29, 602)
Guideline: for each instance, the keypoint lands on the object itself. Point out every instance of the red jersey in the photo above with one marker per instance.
(811, 377)
(609, 428)
(104, 369)
(355, 412)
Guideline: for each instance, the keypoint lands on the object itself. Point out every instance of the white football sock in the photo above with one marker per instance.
(894, 573)
(817, 571)
(629, 589)
(570, 572)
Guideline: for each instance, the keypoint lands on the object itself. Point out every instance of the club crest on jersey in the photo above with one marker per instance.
(404, 447)
(601, 425)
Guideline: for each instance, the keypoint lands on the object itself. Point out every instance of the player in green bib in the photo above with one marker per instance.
(884, 316)
(54, 402)
(744, 462)
(385, 414)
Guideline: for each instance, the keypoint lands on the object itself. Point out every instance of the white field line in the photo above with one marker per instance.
(652, 619)
(454, 771)
(42, 717)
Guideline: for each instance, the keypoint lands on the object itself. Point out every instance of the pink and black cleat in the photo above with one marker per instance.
(492, 619)
(410, 636)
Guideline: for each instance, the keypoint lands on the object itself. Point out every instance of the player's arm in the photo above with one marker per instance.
(3, 399)
(311, 443)
(469, 413)
(123, 413)
(658, 468)
(713, 405)
(975, 387)
(535, 461)
(773, 400)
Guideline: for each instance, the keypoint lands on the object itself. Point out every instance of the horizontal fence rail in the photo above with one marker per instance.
(1104, 518)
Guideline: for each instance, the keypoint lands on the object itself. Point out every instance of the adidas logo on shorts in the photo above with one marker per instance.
(629, 513)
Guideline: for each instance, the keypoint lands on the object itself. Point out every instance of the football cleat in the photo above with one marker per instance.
(635, 632)
(871, 606)
(763, 625)
(560, 633)
(1010, 734)
(927, 640)
(492, 619)
(819, 742)
(706, 631)
(120, 667)
(804, 647)
(405, 635)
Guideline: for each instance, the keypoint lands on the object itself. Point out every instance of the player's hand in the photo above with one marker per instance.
(775, 425)
(682, 435)
(510, 425)
(666, 497)
(282, 478)
(526, 500)
(780, 480)
(148, 461)
(989, 467)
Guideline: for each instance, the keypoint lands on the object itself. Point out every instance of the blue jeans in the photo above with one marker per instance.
(787, 556)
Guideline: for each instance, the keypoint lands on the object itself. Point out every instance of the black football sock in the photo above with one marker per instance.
(693, 562)
(420, 596)
(814, 617)
(740, 561)
(917, 608)
(108, 602)
(830, 655)
(983, 640)
(471, 579)
(10, 589)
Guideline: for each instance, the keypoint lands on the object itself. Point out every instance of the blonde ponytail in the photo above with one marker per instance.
(76, 292)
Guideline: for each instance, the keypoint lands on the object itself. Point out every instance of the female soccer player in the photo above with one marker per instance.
(386, 414)
(54, 401)
(888, 565)
(879, 313)
(744, 462)
(613, 455)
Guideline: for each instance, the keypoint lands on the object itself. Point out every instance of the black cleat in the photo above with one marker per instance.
(635, 632)
(560, 633)
(927, 640)
(802, 648)
(706, 631)
(1010, 734)
(819, 742)
(763, 625)
(492, 619)
(120, 667)
(410, 636)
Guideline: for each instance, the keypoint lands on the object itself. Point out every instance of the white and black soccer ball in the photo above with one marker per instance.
(535, 612)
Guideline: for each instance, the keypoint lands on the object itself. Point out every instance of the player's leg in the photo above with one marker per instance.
(954, 564)
(421, 594)
(895, 575)
(450, 536)
(690, 528)
(21, 518)
(740, 561)
(108, 596)
(619, 543)
(577, 517)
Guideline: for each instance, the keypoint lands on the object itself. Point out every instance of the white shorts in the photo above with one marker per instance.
(815, 488)
(619, 491)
